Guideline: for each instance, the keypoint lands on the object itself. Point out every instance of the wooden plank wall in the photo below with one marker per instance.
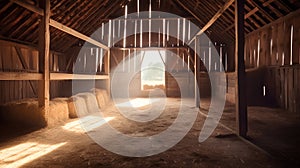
(277, 47)
(16, 57)
(271, 45)
(283, 86)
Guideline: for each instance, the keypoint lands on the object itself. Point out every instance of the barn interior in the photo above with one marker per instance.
(78, 76)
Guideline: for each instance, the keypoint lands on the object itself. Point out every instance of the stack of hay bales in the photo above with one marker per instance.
(27, 112)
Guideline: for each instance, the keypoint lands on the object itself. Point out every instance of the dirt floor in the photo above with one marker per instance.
(69, 146)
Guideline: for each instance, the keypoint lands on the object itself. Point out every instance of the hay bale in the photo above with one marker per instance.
(59, 111)
(77, 107)
(26, 112)
(102, 97)
(23, 112)
(90, 101)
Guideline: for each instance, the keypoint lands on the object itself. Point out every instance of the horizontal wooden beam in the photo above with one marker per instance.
(213, 19)
(147, 48)
(67, 76)
(77, 34)
(60, 26)
(20, 76)
(262, 9)
(16, 76)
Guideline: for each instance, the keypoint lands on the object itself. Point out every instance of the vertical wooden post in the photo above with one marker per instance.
(44, 52)
(241, 104)
(197, 100)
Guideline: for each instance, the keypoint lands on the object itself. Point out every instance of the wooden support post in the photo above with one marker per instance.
(241, 104)
(44, 52)
(197, 100)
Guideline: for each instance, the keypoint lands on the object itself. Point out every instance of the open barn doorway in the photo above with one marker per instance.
(153, 70)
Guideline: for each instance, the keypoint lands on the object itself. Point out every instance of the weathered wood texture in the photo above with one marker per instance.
(272, 44)
(282, 87)
(241, 102)
(19, 89)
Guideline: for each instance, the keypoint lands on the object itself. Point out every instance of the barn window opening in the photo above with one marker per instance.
(153, 70)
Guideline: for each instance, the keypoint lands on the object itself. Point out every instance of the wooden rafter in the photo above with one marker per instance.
(284, 6)
(60, 26)
(5, 7)
(250, 13)
(188, 10)
(30, 7)
(93, 16)
(20, 25)
(59, 41)
(262, 9)
(219, 26)
(213, 19)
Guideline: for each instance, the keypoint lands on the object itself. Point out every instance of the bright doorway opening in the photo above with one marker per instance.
(153, 70)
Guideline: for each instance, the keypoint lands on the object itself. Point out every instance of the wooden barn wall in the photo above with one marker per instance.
(282, 87)
(272, 57)
(276, 44)
(16, 57)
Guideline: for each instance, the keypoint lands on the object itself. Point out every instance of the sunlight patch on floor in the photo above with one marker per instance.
(21, 154)
(87, 123)
(137, 102)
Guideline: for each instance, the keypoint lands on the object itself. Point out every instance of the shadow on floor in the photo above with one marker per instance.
(9, 131)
